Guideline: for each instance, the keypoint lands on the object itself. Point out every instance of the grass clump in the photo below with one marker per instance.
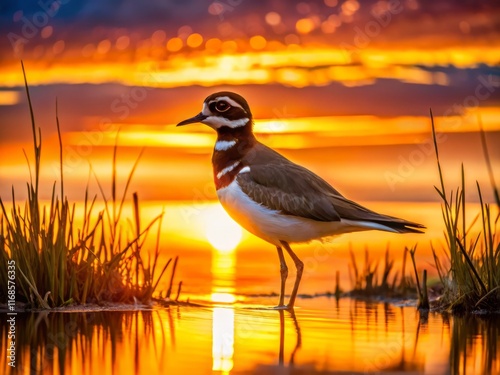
(369, 282)
(471, 275)
(59, 264)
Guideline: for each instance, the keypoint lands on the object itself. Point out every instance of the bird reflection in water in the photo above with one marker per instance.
(298, 342)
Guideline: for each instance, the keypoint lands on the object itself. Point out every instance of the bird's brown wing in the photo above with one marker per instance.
(292, 190)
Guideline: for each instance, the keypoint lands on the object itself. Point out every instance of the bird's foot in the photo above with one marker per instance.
(283, 307)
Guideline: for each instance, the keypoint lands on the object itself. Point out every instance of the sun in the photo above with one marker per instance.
(222, 232)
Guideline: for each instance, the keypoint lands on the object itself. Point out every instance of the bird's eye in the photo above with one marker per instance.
(222, 106)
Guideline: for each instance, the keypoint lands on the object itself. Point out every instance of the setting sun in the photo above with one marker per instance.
(221, 231)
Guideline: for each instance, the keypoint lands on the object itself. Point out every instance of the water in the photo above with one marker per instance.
(235, 332)
(323, 337)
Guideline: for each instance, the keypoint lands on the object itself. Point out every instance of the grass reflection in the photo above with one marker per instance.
(91, 342)
(475, 345)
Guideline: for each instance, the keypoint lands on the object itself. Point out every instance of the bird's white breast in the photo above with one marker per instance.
(273, 226)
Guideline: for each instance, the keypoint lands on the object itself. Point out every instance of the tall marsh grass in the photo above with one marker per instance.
(471, 271)
(58, 263)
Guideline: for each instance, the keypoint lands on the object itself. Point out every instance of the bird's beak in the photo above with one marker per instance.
(198, 118)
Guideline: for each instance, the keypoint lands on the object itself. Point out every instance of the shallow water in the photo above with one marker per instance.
(324, 336)
(234, 332)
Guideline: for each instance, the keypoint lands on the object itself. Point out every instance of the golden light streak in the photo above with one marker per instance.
(148, 138)
(303, 132)
(296, 65)
(9, 97)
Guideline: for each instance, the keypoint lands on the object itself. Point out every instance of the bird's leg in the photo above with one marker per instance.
(300, 267)
(284, 275)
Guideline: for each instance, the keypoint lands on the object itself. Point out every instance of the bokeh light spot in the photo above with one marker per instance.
(328, 27)
(58, 47)
(229, 46)
(194, 40)
(158, 37)
(213, 44)
(335, 20)
(184, 31)
(122, 42)
(47, 32)
(104, 46)
(273, 18)
(304, 26)
(174, 44)
(258, 42)
(215, 8)
(350, 7)
(331, 3)
(464, 27)
(292, 39)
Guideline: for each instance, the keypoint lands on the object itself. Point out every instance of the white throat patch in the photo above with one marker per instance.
(224, 145)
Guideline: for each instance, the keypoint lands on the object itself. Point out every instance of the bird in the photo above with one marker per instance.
(274, 198)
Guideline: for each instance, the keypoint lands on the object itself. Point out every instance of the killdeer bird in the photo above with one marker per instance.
(274, 198)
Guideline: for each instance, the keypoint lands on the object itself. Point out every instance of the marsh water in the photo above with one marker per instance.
(325, 336)
(233, 328)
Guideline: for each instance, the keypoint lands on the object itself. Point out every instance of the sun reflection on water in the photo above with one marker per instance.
(223, 339)
(223, 274)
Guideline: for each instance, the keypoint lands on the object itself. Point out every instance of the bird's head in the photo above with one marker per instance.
(223, 111)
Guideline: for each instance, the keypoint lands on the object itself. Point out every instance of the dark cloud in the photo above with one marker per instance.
(79, 17)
